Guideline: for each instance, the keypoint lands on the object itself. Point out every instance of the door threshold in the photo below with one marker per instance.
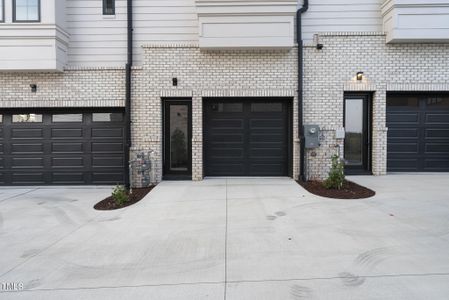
(177, 177)
(247, 177)
(358, 173)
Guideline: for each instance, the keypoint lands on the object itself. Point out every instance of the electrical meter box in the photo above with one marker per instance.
(340, 133)
(312, 136)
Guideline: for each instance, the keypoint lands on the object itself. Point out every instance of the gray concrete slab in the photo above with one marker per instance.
(166, 292)
(34, 220)
(230, 238)
(366, 288)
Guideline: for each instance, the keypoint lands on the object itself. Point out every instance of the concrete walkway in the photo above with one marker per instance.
(229, 239)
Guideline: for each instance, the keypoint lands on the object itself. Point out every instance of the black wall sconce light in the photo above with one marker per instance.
(359, 76)
(33, 88)
(175, 81)
(319, 46)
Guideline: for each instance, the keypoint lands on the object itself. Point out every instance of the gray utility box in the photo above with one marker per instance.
(312, 136)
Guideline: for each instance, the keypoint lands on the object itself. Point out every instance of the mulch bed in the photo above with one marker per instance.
(136, 195)
(350, 190)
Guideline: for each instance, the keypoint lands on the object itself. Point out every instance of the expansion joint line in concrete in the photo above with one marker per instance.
(18, 195)
(226, 242)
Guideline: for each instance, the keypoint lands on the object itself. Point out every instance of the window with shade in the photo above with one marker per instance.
(108, 7)
(26, 10)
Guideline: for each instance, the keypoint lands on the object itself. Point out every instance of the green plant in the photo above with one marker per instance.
(336, 174)
(120, 195)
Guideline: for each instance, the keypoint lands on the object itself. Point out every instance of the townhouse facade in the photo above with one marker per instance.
(221, 88)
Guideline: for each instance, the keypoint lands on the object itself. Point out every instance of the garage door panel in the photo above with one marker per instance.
(67, 147)
(263, 169)
(403, 148)
(403, 117)
(63, 162)
(67, 178)
(267, 138)
(225, 153)
(437, 133)
(27, 133)
(108, 161)
(226, 169)
(437, 164)
(28, 178)
(107, 177)
(27, 148)
(437, 118)
(62, 149)
(221, 124)
(403, 165)
(227, 138)
(431, 148)
(107, 147)
(66, 133)
(403, 133)
(107, 132)
(267, 124)
(28, 162)
(271, 153)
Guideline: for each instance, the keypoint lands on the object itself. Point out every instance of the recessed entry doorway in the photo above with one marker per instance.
(357, 123)
(177, 121)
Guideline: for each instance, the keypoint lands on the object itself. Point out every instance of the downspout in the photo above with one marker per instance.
(299, 40)
(129, 65)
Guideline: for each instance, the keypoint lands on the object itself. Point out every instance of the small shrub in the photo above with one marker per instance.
(120, 195)
(336, 174)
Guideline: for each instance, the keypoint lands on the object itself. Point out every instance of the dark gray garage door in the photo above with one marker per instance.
(41, 147)
(246, 137)
(418, 133)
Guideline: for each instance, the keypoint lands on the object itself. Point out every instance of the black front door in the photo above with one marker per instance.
(177, 139)
(357, 139)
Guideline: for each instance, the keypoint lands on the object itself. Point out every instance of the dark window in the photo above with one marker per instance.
(266, 107)
(438, 101)
(26, 10)
(108, 7)
(107, 117)
(27, 118)
(227, 107)
(70, 118)
(410, 101)
(2, 10)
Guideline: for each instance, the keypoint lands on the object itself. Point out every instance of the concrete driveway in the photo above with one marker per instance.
(229, 239)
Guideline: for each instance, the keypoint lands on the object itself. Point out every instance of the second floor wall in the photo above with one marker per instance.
(100, 40)
(83, 36)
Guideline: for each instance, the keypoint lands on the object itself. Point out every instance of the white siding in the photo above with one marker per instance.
(97, 40)
(342, 16)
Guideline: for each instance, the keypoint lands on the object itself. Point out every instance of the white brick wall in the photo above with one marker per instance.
(250, 73)
(247, 73)
(330, 72)
(85, 87)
